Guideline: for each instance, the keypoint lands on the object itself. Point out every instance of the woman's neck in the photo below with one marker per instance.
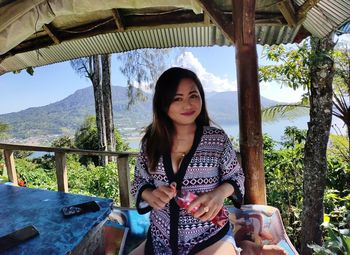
(182, 132)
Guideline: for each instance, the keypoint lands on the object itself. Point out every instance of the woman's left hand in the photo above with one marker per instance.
(209, 205)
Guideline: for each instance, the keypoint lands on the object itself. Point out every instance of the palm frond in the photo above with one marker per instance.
(272, 113)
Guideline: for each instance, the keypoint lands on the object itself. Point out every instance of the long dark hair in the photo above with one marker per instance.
(158, 135)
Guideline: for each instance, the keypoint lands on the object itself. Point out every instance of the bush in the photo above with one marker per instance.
(86, 138)
(337, 241)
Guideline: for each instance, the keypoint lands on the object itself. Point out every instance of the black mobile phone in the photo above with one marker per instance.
(17, 237)
(71, 210)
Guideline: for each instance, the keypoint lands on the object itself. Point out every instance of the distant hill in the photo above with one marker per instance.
(64, 117)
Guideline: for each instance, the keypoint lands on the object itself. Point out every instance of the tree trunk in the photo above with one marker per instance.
(100, 122)
(315, 161)
(107, 102)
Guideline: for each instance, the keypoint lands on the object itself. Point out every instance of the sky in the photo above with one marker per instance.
(215, 66)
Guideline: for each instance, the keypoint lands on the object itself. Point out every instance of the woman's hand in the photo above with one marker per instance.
(211, 202)
(159, 197)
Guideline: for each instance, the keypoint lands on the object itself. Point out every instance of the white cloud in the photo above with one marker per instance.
(284, 94)
(210, 81)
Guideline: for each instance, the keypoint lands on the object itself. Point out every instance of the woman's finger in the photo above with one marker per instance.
(169, 191)
(215, 212)
(196, 204)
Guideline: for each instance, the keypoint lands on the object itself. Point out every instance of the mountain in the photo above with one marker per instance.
(223, 106)
(64, 117)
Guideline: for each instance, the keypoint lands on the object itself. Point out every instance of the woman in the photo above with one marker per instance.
(180, 148)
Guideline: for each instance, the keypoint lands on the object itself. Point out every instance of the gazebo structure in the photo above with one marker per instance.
(41, 32)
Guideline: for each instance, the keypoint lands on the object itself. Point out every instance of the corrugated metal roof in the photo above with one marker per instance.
(195, 36)
(324, 17)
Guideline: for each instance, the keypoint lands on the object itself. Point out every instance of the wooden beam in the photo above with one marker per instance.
(249, 101)
(288, 12)
(52, 34)
(306, 7)
(61, 171)
(206, 19)
(124, 181)
(118, 19)
(95, 28)
(216, 16)
(10, 166)
(134, 22)
(14, 147)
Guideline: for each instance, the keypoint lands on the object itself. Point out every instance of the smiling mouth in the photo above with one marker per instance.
(188, 113)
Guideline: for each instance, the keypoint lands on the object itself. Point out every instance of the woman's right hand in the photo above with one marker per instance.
(159, 197)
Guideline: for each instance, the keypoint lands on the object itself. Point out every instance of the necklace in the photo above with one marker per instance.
(178, 158)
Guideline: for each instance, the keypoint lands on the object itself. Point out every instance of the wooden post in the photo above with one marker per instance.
(61, 171)
(124, 180)
(249, 101)
(10, 166)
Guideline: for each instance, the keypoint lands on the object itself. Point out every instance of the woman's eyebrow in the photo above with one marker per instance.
(191, 92)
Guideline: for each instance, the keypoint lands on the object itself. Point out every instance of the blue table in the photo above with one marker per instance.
(21, 206)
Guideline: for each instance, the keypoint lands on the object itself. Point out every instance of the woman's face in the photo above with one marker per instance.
(186, 105)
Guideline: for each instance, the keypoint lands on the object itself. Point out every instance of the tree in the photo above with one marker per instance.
(296, 76)
(310, 66)
(107, 101)
(315, 159)
(97, 69)
(86, 137)
(63, 142)
(142, 68)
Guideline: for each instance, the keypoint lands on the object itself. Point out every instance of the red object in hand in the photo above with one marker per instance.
(184, 198)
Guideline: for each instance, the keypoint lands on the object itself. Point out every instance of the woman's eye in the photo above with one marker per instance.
(177, 99)
(194, 96)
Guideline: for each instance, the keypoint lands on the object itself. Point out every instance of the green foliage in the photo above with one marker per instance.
(341, 86)
(284, 179)
(283, 173)
(85, 180)
(35, 176)
(278, 111)
(86, 138)
(63, 142)
(337, 195)
(3, 129)
(293, 136)
(339, 147)
(22, 154)
(292, 68)
(94, 181)
(337, 241)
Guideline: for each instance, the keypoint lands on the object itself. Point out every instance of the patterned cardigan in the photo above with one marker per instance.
(210, 162)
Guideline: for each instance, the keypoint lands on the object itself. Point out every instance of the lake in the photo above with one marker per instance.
(274, 129)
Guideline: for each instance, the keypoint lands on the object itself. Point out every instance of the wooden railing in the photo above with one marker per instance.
(61, 168)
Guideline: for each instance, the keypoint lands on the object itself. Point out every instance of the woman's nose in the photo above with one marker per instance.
(187, 104)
